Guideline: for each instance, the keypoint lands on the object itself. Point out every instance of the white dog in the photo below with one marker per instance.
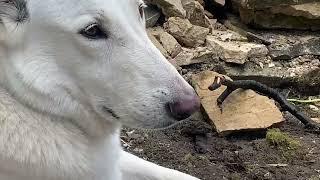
(71, 73)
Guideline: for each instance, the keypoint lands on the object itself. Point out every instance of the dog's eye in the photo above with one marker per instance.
(93, 31)
(141, 10)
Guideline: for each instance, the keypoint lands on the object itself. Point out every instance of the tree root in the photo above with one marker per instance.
(310, 125)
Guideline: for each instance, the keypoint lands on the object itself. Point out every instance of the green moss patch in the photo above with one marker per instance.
(289, 146)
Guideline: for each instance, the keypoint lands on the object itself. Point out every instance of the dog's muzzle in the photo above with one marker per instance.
(184, 106)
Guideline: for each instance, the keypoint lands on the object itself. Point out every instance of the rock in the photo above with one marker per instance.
(208, 14)
(304, 75)
(218, 26)
(308, 45)
(186, 33)
(188, 1)
(317, 120)
(152, 14)
(170, 8)
(243, 110)
(167, 41)
(138, 150)
(170, 44)
(307, 10)
(285, 14)
(228, 36)
(158, 44)
(196, 14)
(156, 31)
(235, 51)
(193, 56)
(271, 65)
(235, 24)
(261, 4)
(213, 23)
(202, 2)
(314, 108)
(219, 2)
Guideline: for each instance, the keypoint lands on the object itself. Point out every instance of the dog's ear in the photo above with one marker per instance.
(12, 14)
(13, 11)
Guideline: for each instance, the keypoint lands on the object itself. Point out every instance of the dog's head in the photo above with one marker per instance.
(95, 53)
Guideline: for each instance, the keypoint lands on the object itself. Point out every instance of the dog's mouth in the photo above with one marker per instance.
(152, 116)
(110, 111)
(175, 115)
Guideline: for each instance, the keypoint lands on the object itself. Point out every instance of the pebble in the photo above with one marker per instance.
(184, 71)
(261, 65)
(314, 108)
(138, 150)
(317, 120)
(271, 65)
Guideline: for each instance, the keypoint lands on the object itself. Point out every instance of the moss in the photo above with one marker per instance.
(235, 176)
(192, 159)
(314, 177)
(288, 146)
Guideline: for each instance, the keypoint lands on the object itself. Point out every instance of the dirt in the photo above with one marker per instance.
(193, 147)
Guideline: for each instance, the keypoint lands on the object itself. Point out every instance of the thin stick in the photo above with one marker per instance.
(304, 101)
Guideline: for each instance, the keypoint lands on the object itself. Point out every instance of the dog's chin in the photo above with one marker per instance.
(166, 121)
(152, 124)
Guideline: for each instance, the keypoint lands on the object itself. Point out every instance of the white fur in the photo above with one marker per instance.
(54, 83)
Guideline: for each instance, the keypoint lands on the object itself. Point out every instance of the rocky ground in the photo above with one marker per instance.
(240, 156)
(271, 41)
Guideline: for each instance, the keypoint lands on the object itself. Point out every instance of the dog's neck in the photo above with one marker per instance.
(59, 103)
(49, 146)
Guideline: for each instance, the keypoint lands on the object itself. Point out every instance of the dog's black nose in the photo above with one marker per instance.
(184, 106)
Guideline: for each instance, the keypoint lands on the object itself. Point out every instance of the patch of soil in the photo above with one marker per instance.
(194, 148)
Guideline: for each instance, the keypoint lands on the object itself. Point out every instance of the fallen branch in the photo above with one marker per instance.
(267, 91)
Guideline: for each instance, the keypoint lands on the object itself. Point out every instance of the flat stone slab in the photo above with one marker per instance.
(243, 110)
(236, 51)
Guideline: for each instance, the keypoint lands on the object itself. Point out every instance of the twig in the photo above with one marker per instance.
(304, 101)
(265, 90)
(277, 165)
(124, 143)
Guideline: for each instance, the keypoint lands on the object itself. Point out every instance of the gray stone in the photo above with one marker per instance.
(283, 14)
(236, 51)
(208, 14)
(262, 4)
(170, 8)
(286, 51)
(314, 108)
(152, 14)
(303, 75)
(157, 44)
(196, 14)
(170, 44)
(219, 2)
(193, 56)
(228, 36)
(167, 41)
(186, 33)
